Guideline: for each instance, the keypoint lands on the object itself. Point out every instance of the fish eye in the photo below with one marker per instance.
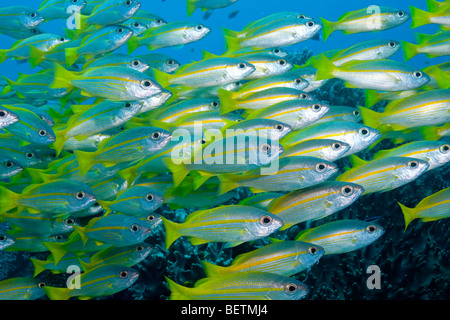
(127, 105)
(58, 237)
(215, 104)
(291, 288)
(136, 24)
(74, 1)
(301, 16)
(3, 113)
(418, 74)
(41, 284)
(69, 221)
(444, 148)
(151, 218)
(336, 146)
(2, 237)
(80, 195)
(123, 274)
(316, 107)
(120, 30)
(413, 164)
(156, 135)
(34, 31)
(282, 62)
(159, 21)
(198, 27)
(356, 113)
(266, 220)
(279, 127)
(136, 63)
(203, 141)
(320, 167)
(62, 39)
(139, 248)
(134, 227)
(401, 13)
(33, 15)
(29, 155)
(310, 24)
(298, 81)
(146, 83)
(127, 3)
(265, 148)
(303, 96)
(149, 197)
(392, 44)
(276, 50)
(371, 229)
(363, 131)
(42, 132)
(9, 164)
(312, 250)
(241, 65)
(170, 62)
(347, 190)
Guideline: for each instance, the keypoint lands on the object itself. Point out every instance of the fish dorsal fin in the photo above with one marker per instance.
(357, 161)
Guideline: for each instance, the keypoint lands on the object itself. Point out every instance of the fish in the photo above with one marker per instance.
(118, 60)
(204, 5)
(7, 117)
(356, 135)
(280, 33)
(113, 83)
(285, 258)
(115, 229)
(371, 19)
(292, 173)
(130, 145)
(134, 201)
(315, 202)
(296, 113)
(340, 113)
(264, 128)
(342, 236)
(436, 45)
(241, 286)
(174, 111)
(101, 281)
(421, 17)
(70, 259)
(436, 153)
(29, 242)
(19, 18)
(21, 288)
(426, 108)
(161, 62)
(260, 200)
(382, 74)
(206, 73)
(384, 174)
(431, 208)
(231, 224)
(172, 34)
(60, 9)
(9, 167)
(60, 197)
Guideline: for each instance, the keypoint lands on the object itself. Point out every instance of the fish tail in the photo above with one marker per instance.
(60, 140)
(3, 55)
(227, 103)
(409, 50)
(191, 7)
(179, 171)
(199, 179)
(408, 214)
(227, 183)
(370, 118)
(172, 231)
(162, 78)
(8, 88)
(85, 160)
(36, 56)
(8, 199)
(324, 68)
(432, 5)
(57, 249)
(82, 230)
(54, 293)
(328, 28)
(213, 270)
(129, 174)
(372, 97)
(430, 133)
(232, 43)
(38, 266)
(63, 78)
(178, 291)
(39, 175)
(71, 56)
(441, 77)
(133, 44)
(419, 17)
(231, 33)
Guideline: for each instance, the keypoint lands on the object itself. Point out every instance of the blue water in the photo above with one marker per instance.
(248, 11)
